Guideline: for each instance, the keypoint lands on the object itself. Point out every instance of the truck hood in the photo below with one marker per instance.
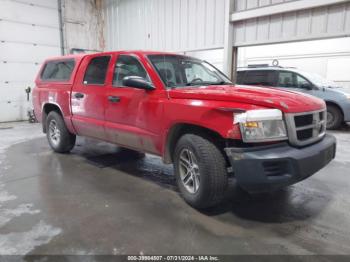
(286, 101)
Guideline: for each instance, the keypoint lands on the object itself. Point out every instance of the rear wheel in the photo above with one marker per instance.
(334, 117)
(58, 136)
(200, 170)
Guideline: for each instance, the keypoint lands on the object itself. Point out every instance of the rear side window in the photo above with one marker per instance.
(96, 71)
(58, 70)
(260, 77)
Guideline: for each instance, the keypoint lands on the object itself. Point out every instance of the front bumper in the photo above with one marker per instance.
(268, 168)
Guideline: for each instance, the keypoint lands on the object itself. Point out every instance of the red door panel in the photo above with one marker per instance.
(89, 97)
(132, 120)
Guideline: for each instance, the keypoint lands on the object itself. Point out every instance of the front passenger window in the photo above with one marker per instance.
(128, 66)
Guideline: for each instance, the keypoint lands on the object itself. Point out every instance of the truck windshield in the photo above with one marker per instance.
(181, 71)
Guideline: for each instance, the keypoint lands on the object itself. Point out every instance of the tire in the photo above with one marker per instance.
(334, 117)
(58, 136)
(208, 170)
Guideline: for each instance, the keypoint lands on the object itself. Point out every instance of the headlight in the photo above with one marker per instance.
(261, 125)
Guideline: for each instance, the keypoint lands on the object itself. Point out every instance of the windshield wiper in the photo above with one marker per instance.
(224, 83)
(221, 83)
(209, 83)
(195, 84)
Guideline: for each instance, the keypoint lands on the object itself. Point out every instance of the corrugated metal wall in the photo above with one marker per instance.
(29, 32)
(243, 5)
(315, 23)
(172, 25)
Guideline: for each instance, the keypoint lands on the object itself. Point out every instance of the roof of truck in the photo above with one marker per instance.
(138, 52)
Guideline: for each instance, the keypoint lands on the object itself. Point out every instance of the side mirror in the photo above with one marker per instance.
(137, 82)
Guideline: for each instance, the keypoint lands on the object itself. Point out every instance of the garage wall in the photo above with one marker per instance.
(29, 32)
(172, 25)
(325, 21)
(83, 25)
(243, 5)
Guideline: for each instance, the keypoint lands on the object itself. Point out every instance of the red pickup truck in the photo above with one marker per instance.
(189, 113)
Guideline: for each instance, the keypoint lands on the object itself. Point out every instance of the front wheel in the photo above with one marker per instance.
(334, 117)
(58, 136)
(200, 170)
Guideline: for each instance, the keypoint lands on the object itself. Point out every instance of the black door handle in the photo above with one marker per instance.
(114, 99)
(79, 95)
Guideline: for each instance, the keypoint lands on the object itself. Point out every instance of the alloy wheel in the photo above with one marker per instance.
(189, 171)
(54, 133)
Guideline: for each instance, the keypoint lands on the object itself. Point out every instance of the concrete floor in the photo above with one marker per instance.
(102, 200)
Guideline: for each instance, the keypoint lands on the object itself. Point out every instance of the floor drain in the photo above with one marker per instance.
(6, 127)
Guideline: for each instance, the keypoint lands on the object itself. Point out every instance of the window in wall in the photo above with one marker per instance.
(128, 66)
(58, 70)
(97, 70)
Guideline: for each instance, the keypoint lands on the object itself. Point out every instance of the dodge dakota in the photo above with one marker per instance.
(189, 113)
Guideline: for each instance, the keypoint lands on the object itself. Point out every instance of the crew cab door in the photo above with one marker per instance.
(132, 115)
(88, 96)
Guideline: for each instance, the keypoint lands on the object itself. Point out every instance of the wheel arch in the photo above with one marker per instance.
(179, 129)
(47, 108)
(332, 103)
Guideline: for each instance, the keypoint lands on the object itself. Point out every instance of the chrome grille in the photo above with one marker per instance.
(306, 128)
